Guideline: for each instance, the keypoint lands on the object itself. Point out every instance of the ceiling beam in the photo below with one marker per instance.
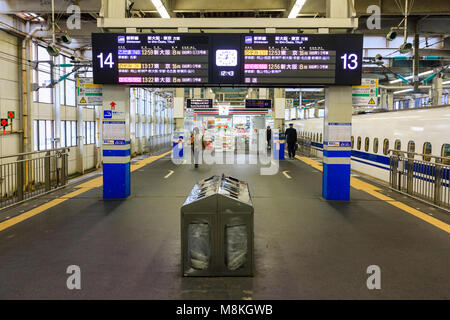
(227, 23)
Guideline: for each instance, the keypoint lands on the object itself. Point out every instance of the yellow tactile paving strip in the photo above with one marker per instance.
(81, 188)
(374, 191)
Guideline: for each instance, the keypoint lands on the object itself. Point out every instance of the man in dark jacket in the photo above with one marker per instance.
(269, 136)
(291, 140)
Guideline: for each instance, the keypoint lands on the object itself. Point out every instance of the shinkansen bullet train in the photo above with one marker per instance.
(424, 131)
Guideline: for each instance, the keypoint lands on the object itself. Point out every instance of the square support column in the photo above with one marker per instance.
(337, 143)
(116, 142)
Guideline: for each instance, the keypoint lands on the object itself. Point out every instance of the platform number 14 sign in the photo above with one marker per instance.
(106, 61)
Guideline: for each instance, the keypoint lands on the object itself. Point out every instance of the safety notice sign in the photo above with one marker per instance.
(366, 94)
(88, 93)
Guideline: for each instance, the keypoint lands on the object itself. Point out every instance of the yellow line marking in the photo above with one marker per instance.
(81, 188)
(373, 191)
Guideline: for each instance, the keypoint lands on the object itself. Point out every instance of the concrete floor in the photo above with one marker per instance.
(305, 247)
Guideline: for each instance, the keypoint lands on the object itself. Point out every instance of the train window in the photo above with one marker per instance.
(375, 145)
(386, 146)
(397, 145)
(366, 144)
(426, 150)
(359, 143)
(353, 141)
(445, 153)
(411, 148)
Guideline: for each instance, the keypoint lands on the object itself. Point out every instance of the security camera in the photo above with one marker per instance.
(391, 35)
(405, 47)
(52, 50)
(66, 38)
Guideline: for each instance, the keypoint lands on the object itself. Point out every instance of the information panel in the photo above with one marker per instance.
(258, 60)
(258, 103)
(151, 59)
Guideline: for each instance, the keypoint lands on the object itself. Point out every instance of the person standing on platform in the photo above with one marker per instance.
(197, 144)
(291, 140)
(269, 137)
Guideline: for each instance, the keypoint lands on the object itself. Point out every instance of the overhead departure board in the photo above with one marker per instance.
(151, 59)
(245, 60)
(258, 103)
(199, 103)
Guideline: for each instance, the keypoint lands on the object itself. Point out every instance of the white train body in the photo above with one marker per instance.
(421, 126)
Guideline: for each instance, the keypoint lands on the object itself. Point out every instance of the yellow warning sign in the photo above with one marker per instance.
(83, 100)
(371, 101)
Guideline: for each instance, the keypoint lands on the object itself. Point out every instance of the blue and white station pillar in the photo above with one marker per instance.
(178, 138)
(337, 143)
(115, 140)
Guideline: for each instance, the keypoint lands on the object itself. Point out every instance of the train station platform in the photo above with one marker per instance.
(305, 247)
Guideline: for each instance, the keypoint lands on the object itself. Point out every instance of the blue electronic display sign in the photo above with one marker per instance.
(258, 103)
(248, 60)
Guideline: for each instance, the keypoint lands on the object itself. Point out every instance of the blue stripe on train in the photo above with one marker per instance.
(383, 160)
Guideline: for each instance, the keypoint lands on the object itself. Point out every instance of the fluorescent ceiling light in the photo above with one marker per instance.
(161, 9)
(296, 8)
(446, 82)
(403, 91)
(410, 77)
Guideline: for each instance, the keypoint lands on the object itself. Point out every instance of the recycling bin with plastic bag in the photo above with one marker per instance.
(217, 229)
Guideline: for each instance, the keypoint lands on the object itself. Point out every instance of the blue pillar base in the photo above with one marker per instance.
(278, 154)
(336, 182)
(116, 180)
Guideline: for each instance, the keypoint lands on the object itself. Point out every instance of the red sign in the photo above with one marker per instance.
(4, 122)
(11, 114)
(113, 105)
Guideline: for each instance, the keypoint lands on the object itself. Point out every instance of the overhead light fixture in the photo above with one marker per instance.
(410, 77)
(161, 9)
(403, 91)
(446, 82)
(296, 8)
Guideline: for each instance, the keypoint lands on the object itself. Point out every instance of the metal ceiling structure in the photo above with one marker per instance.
(427, 18)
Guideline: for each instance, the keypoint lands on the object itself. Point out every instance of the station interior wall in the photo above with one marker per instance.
(150, 114)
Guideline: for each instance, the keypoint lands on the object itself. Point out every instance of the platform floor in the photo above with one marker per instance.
(305, 247)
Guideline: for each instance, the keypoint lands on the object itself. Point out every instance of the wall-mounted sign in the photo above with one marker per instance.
(88, 93)
(366, 94)
(258, 103)
(193, 60)
(224, 110)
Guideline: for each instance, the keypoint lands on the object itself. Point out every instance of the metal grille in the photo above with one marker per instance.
(27, 175)
(304, 146)
(426, 180)
(159, 143)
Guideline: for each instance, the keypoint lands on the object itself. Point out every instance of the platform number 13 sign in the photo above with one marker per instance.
(350, 61)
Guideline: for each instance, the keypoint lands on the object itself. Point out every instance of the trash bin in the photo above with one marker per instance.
(217, 229)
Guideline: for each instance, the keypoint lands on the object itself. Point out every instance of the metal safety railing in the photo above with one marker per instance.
(159, 143)
(426, 179)
(27, 175)
(304, 146)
